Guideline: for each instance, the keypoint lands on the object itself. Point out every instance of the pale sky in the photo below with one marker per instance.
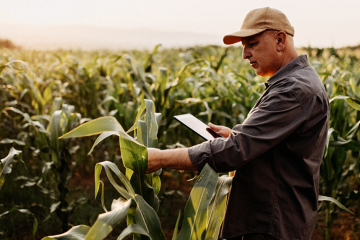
(320, 23)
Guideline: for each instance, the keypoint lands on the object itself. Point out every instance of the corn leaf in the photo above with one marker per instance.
(102, 196)
(353, 130)
(2, 67)
(23, 211)
(142, 133)
(147, 130)
(133, 229)
(151, 124)
(75, 233)
(109, 165)
(106, 221)
(156, 184)
(135, 158)
(330, 199)
(98, 126)
(338, 97)
(195, 214)
(146, 216)
(353, 104)
(138, 116)
(216, 209)
(139, 75)
(330, 131)
(5, 166)
(349, 100)
(10, 141)
(158, 117)
(101, 228)
(176, 227)
(56, 105)
(58, 120)
(102, 137)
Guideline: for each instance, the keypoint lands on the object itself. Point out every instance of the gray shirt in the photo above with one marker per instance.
(276, 153)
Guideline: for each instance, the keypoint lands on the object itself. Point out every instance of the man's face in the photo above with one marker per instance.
(261, 51)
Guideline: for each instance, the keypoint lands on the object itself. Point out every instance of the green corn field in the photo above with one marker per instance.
(65, 115)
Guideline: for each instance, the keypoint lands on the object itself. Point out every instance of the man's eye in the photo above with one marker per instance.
(252, 44)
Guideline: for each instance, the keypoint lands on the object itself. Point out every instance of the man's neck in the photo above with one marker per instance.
(289, 57)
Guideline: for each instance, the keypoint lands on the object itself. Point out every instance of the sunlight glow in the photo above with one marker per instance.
(321, 23)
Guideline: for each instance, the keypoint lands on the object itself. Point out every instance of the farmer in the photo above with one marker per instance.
(277, 150)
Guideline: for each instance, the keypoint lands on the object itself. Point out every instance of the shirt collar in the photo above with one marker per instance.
(297, 63)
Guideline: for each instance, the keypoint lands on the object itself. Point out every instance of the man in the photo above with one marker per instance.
(277, 150)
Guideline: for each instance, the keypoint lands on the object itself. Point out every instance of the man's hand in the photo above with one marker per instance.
(221, 130)
(177, 158)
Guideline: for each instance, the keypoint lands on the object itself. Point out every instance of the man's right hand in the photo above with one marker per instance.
(223, 131)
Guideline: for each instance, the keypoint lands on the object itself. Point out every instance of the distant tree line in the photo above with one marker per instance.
(6, 43)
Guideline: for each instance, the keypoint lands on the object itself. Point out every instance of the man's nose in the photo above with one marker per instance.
(245, 53)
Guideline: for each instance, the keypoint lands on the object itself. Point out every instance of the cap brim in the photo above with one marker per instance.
(236, 36)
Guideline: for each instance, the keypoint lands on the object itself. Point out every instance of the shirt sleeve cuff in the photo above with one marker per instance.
(200, 155)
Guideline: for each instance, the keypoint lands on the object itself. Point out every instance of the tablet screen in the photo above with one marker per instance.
(195, 125)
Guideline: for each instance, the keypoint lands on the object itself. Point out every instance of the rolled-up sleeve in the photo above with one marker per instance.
(275, 117)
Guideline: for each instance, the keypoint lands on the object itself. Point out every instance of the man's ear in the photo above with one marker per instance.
(280, 41)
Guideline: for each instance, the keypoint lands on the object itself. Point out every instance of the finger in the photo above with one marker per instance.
(212, 132)
(213, 126)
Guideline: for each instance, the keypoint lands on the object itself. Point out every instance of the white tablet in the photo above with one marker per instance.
(196, 125)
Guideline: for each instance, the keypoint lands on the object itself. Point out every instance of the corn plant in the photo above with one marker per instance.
(6, 165)
(61, 119)
(138, 201)
(212, 82)
(341, 157)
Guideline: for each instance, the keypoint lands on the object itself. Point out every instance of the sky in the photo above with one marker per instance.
(319, 23)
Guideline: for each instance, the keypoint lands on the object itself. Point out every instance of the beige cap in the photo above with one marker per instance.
(259, 20)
